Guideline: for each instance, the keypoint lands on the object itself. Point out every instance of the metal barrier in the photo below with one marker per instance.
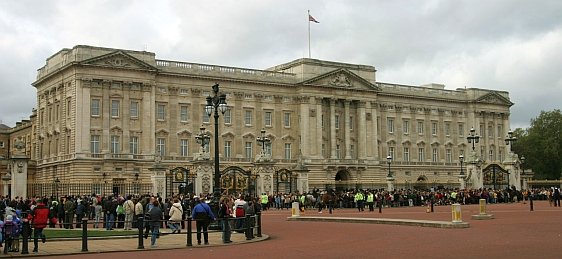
(247, 225)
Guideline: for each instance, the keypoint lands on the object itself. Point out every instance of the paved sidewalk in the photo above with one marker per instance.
(166, 241)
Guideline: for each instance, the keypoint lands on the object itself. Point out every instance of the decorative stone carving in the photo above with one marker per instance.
(340, 80)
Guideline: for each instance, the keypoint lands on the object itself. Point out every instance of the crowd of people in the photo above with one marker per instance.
(123, 212)
(127, 212)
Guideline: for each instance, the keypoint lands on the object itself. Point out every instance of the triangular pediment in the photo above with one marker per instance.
(493, 98)
(119, 59)
(342, 78)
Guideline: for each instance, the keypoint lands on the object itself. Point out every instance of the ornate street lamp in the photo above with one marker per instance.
(461, 159)
(263, 140)
(202, 138)
(389, 161)
(216, 103)
(473, 138)
(509, 139)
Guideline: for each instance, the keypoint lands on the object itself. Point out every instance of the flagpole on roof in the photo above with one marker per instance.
(308, 18)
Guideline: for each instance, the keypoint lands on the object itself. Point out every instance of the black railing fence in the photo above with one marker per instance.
(250, 225)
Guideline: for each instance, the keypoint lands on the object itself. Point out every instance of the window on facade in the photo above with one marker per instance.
(115, 105)
(95, 107)
(491, 155)
(323, 150)
(227, 117)
(267, 119)
(134, 109)
(482, 131)
(420, 127)
(249, 150)
(500, 153)
(434, 128)
(406, 126)
(461, 152)
(337, 121)
(268, 148)
(449, 155)
(461, 130)
(50, 114)
(227, 149)
(500, 131)
(390, 123)
(322, 121)
(287, 150)
(490, 132)
(161, 112)
(287, 119)
(184, 113)
(95, 144)
(421, 154)
(448, 129)
(68, 107)
(161, 146)
(115, 146)
(391, 152)
(435, 155)
(407, 154)
(205, 117)
(338, 155)
(68, 144)
(57, 112)
(248, 117)
(134, 145)
(184, 147)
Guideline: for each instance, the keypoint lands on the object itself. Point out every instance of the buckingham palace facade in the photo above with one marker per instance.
(114, 117)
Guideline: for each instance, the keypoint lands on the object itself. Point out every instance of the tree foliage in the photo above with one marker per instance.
(541, 144)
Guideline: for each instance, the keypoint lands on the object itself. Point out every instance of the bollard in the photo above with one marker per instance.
(249, 233)
(25, 236)
(84, 234)
(531, 202)
(482, 206)
(258, 215)
(456, 213)
(189, 238)
(140, 226)
(295, 211)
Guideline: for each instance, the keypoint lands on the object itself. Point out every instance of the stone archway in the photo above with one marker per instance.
(421, 183)
(342, 180)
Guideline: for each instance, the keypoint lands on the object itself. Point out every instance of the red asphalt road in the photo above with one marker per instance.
(514, 233)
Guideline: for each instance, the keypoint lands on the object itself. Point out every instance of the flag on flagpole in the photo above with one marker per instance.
(311, 19)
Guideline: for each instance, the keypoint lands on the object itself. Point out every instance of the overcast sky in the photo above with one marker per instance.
(513, 46)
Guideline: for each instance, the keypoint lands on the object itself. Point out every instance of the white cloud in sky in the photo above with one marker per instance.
(508, 45)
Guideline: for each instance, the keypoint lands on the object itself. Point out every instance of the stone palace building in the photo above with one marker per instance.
(108, 118)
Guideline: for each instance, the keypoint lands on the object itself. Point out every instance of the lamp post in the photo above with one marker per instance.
(263, 140)
(509, 139)
(202, 138)
(389, 161)
(216, 103)
(461, 159)
(473, 138)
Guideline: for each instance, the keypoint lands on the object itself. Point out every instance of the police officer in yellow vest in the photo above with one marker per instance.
(359, 200)
(302, 199)
(370, 201)
(264, 201)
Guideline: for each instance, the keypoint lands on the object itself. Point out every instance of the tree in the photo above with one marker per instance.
(541, 144)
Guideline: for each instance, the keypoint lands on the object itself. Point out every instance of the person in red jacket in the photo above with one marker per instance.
(40, 219)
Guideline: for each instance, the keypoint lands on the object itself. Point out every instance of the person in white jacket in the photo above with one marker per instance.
(176, 211)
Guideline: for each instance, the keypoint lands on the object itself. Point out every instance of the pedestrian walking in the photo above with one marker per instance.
(203, 215)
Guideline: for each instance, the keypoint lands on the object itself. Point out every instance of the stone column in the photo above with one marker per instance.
(362, 132)
(319, 130)
(305, 127)
(333, 128)
(346, 128)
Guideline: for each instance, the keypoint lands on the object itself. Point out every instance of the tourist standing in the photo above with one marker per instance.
(176, 212)
(40, 218)
(203, 215)
(155, 215)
